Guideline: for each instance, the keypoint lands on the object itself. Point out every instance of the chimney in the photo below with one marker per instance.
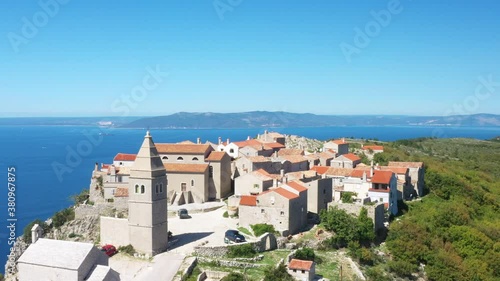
(286, 179)
(282, 173)
(364, 176)
(248, 138)
(371, 172)
(198, 141)
(36, 233)
(228, 141)
(112, 170)
(276, 154)
(343, 140)
(96, 167)
(275, 182)
(220, 140)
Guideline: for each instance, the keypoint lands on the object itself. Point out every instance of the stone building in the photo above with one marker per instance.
(416, 173)
(348, 161)
(340, 147)
(302, 270)
(48, 259)
(253, 183)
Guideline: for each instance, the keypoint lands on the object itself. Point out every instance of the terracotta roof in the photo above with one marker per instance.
(186, 142)
(351, 156)
(373, 147)
(242, 144)
(274, 135)
(258, 159)
(297, 186)
(106, 166)
(248, 200)
(359, 173)
(342, 172)
(275, 145)
(383, 177)
(186, 168)
(290, 151)
(258, 147)
(300, 265)
(175, 148)
(283, 192)
(397, 170)
(406, 164)
(294, 158)
(125, 157)
(320, 169)
(326, 155)
(265, 173)
(121, 192)
(340, 141)
(262, 175)
(216, 156)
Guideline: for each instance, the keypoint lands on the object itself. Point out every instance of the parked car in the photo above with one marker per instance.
(183, 214)
(109, 250)
(233, 236)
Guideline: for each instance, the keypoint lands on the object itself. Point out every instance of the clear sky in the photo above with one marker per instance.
(91, 58)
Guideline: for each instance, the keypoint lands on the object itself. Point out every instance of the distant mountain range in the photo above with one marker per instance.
(257, 119)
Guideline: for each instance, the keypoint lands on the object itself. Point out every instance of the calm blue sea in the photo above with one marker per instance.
(41, 191)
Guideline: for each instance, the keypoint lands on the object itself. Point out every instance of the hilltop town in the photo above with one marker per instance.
(283, 184)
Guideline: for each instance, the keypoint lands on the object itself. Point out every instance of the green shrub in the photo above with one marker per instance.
(234, 276)
(80, 198)
(71, 235)
(241, 251)
(347, 197)
(226, 215)
(260, 229)
(129, 250)
(60, 218)
(305, 254)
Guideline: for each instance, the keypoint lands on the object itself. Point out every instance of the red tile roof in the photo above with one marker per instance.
(351, 156)
(175, 148)
(275, 145)
(297, 186)
(289, 151)
(359, 173)
(258, 159)
(320, 169)
(340, 141)
(121, 192)
(383, 177)
(406, 164)
(397, 170)
(373, 147)
(242, 144)
(216, 156)
(285, 193)
(248, 200)
(300, 265)
(125, 157)
(294, 158)
(186, 168)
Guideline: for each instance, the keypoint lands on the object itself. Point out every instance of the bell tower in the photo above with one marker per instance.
(148, 227)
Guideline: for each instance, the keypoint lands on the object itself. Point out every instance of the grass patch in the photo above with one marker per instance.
(241, 251)
(245, 231)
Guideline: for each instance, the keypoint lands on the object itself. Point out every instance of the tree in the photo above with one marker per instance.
(277, 274)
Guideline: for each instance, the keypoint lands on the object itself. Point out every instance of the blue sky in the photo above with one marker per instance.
(85, 58)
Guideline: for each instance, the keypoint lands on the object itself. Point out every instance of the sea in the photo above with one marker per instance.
(49, 164)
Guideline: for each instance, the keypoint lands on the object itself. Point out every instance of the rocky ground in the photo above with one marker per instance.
(309, 145)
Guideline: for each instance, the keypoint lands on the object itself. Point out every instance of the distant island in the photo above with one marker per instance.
(258, 119)
(265, 119)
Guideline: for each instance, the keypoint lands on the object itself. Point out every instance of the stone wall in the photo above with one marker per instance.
(267, 242)
(114, 231)
(375, 212)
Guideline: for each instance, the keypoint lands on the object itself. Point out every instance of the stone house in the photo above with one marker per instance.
(340, 147)
(253, 183)
(256, 150)
(297, 163)
(272, 137)
(384, 189)
(405, 189)
(48, 259)
(319, 194)
(187, 183)
(338, 175)
(349, 160)
(372, 149)
(283, 209)
(290, 151)
(416, 173)
(302, 270)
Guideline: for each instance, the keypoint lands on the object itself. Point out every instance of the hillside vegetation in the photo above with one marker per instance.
(455, 230)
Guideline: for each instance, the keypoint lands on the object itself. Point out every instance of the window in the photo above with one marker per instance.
(183, 186)
(121, 163)
(282, 213)
(192, 183)
(256, 186)
(303, 271)
(113, 191)
(157, 188)
(211, 171)
(180, 159)
(143, 189)
(262, 211)
(136, 188)
(195, 159)
(231, 150)
(161, 187)
(165, 158)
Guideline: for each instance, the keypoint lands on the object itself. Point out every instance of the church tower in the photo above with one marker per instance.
(147, 204)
